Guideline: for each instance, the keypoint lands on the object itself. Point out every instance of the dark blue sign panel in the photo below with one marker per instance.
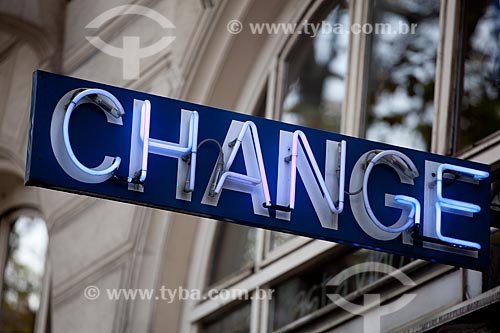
(133, 147)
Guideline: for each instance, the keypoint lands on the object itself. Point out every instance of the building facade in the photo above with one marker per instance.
(419, 74)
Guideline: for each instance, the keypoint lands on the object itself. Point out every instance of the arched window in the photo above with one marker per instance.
(24, 241)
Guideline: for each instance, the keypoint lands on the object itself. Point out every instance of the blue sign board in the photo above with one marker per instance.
(129, 146)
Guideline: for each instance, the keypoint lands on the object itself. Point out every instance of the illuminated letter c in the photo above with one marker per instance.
(59, 134)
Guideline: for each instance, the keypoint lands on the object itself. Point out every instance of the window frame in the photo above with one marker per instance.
(276, 88)
(233, 277)
(445, 67)
(291, 245)
(446, 77)
(456, 15)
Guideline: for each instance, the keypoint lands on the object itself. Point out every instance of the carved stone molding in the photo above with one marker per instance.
(102, 260)
(33, 35)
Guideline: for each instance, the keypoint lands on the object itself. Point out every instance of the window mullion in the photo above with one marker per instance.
(357, 73)
(264, 311)
(255, 314)
(446, 78)
(271, 87)
(259, 248)
(278, 88)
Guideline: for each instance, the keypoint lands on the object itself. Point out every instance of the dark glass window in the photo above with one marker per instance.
(235, 321)
(491, 277)
(483, 320)
(402, 70)
(480, 102)
(307, 292)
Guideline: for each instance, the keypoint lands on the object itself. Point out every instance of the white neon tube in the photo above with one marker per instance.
(450, 239)
(456, 204)
(194, 149)
(236, 176)
(168, 149)
(248, 125)
(413, 170)
(413, 216)
(71, 106)
(144, 135)
(293, 177)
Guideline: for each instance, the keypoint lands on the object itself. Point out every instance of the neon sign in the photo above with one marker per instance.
(208, 162)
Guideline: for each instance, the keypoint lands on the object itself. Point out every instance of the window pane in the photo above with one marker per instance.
(307, 292)
(402, 69)
(314, 84)
(278, 239)
(491, 277)
(236, 321)
(22, 277)
(234, 250)
(480, 113)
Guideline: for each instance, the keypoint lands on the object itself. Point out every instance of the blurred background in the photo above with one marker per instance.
(436, 89)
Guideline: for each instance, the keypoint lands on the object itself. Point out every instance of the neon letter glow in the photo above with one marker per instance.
(293, 179)
(455, 206)
(142, 144)
(406, 168)
(245, 179)
(60, 140)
